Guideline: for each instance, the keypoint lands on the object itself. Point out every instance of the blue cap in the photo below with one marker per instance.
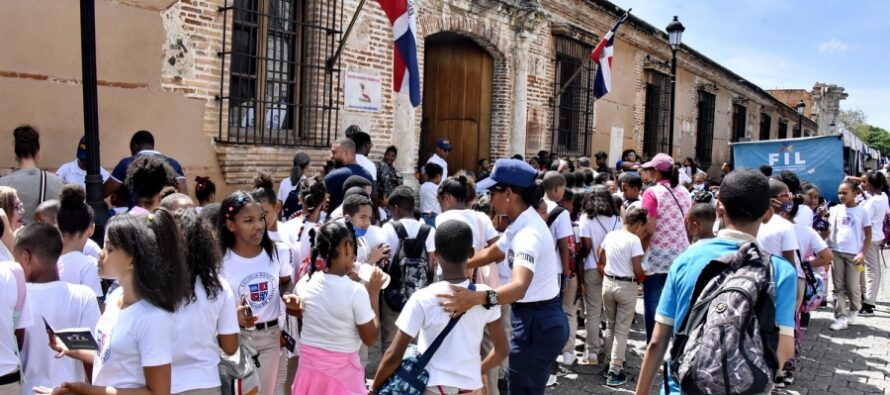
(443, 144)
(512, 172)
(82, 148)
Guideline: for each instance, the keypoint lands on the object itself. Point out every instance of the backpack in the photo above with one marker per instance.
(573, 247)
(291, 206)
(727, 342)
(409, 270)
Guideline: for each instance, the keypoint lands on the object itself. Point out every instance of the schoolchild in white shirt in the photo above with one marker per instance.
(877, 208)
(134, 332)
(429, 203)
(457, 365)
(75, 221)
(849, 239)
(37, 249)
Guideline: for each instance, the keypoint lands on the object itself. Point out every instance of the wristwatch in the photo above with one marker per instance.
(491, 299)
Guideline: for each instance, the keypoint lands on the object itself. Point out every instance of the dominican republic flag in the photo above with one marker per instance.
(406, 74)
(602, 55)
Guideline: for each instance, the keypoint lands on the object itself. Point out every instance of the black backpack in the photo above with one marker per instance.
(291, 206)
(409, 270)
(728, 340)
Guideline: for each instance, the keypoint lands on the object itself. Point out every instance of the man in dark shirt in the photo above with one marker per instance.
(602, 164)
(142, 143)
(343, 156)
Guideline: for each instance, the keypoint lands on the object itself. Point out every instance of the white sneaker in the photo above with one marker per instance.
(839, 324)
(568, 358)
(551, 381)
(589, 359)
(851, 318)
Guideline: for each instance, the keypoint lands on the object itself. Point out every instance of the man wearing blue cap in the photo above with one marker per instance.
(540, 327)
(443, 148)
(75, 172)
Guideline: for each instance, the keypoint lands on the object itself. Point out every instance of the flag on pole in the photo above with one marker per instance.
(602, 55)
(406, 74)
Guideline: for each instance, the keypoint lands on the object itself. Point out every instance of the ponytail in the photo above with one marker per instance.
(672, 175)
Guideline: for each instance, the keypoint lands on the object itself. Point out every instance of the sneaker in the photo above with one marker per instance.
(568, 358)
(838, 324)
(551, 381)
(614, 379)
(589, 359)
(789, 378)
(502, 385)
(851, 318)
(867, 310)
(779, 381)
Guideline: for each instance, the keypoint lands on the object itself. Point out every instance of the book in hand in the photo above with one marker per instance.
(74, 338)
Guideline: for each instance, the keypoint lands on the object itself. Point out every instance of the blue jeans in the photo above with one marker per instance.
(652, 286)
(429, 219)
(539, 334)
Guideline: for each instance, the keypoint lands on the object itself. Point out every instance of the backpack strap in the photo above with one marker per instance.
(400, 230)
(551, 218)
(428, 354)
(42, 191)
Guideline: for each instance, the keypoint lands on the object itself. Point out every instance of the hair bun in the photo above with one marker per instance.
(263, 180)
(72, 196)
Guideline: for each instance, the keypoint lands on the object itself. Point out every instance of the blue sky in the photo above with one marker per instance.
(788, 44)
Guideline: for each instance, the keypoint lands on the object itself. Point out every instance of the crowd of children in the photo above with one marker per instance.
(467, 284)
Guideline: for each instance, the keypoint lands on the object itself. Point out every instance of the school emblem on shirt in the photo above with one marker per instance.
(846, 221)
(510, 259)
(258, 289)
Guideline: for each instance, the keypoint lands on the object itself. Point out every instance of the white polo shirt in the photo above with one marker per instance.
(529, 243)
(441, 162)
(71, 173)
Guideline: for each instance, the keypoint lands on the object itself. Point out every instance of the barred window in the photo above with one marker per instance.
(658, 107)
(573, 108)
(277, 89)
(739, 115)
(704, 140)
(765, 126)
(783, 129)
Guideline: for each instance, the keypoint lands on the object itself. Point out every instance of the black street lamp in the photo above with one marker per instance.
(91, 116)
(800, 108)
(675, 33)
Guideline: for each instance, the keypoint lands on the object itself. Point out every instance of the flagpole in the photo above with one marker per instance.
(330, 62)
(571, 79)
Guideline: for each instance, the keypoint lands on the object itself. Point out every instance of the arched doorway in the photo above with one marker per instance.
(457, 79)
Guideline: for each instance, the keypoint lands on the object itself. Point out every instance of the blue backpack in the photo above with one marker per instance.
(411, 377)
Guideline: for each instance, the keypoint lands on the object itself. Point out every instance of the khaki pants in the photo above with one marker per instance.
(570, 306)
(871, 277)
(268, 346)
(593, 306)
(11, 389)
(620, 301)
(201, 391)
(846, 279)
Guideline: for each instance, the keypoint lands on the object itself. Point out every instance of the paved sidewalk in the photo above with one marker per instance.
(851, 362)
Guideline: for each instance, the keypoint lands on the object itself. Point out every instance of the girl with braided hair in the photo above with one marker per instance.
(339, 316)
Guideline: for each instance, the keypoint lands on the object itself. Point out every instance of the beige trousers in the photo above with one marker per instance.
(619, 301)
(845, 276)
(593, 306)
(871, 277)
(571, 305)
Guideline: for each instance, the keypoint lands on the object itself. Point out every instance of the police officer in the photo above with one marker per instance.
(540, 327)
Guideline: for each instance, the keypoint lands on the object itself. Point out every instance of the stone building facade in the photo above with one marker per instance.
(230, 87)
(822, 104)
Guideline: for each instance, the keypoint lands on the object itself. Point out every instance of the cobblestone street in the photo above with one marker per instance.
(851, 362)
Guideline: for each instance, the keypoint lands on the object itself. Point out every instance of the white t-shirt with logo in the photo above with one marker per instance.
(196, 349)
(63, 306)
(621, 247)
(876, 207)
(333, 307)
(596, 229)
(529, 244)
(811, 244)
(13, 313)
(560, 228)
(77, 268)
(847, 228)
(256, 280)
(456, 362)
(130, 339)
(777, 235)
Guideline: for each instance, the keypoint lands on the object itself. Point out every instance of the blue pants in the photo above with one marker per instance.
(652, 286)
(539, 333)
(429, 219)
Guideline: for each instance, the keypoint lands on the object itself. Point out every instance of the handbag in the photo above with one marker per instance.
(238, 372)
(411, 376)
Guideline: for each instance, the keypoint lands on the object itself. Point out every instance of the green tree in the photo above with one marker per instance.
(855, 121)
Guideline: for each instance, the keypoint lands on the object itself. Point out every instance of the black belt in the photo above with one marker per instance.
(13, 377)
(268, 324)
(521, 305)
(616, 278)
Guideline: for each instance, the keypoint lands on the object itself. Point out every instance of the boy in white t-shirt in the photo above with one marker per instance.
(401, 207)
(849, 239)
(456, 366)
(777, 236)
(429, 201)
(620, 264)
(38, 247)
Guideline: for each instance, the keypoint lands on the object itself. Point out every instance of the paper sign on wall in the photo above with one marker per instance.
(362, 91)
(616, 144)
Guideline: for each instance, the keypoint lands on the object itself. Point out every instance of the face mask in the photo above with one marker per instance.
(699, 187)
(787, 207)
(359, 232)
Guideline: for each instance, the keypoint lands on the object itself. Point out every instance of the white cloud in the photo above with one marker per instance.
(833, 46)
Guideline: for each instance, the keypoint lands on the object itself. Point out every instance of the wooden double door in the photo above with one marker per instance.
(457, 100)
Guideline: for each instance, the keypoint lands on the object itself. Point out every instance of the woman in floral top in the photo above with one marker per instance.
(667, 204)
